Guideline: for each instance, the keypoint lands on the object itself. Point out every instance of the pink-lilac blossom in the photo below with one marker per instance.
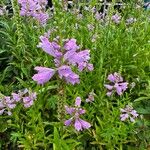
(8, 103)
(75, 120)
(116, 18)
(35, 9)
(90, 97)
(99, 16)
(128, 112)
(51, 48)
(68, 74)
(117, 85)
(71, 45)
(44, 74)
(29, 100)
(65, 58)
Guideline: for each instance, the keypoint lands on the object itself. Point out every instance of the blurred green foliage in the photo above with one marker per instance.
(122, 47)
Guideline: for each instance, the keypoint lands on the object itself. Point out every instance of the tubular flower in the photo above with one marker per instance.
(90, 97)
(44, 74)
(65, 58)
(117, 85)
(128, 112)
(116, 18)
(35, 9)
(8, 103)
(75, 112)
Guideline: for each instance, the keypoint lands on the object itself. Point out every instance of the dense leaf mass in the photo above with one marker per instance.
(75, 76)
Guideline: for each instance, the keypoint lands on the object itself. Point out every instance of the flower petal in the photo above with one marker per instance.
(78, 125)
(78, 101)
(85, 124)
(44, 74)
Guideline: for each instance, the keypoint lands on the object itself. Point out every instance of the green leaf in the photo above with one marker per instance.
(56, 144)
(141, 99)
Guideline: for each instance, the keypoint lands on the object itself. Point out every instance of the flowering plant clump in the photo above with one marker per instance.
(75, 112)
(35, 9)
(64, 58)
(8, 103)
(128, 112)
(117, 84)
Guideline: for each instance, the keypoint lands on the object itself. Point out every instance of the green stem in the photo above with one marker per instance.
(61, 102)
(18, 22)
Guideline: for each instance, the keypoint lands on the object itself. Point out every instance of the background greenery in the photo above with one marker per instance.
(117, 48)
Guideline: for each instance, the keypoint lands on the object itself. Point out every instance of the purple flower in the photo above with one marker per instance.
(90, 97)
(2, 111)
(68, 74)
(41, 17)
(35, 9)
(64, 58)
(69, 110)
(124, 117)
(80, 59)
(29, 100)
(75, 112)
(120, 87)
(116, 77)
(16, 97)
(109, 93)
(99, 16)
(117, 84)
(128, 112)
(90, 67)
(50, 48)
(8, 103)
(68, 122)
(81, 124)
(109, 87)
(2, 107)
(93, 9)
(78, 102)
(44, 74)
(71, 45)
(78, 125)
(116, 18)
(64, 71)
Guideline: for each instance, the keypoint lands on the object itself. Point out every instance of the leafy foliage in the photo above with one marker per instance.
(118, 48)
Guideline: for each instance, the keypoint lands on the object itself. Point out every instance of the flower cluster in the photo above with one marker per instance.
(116, 18)
(3, 10)
(64, 58)
(117, 84)
(90, 97)
(8, 103)
(128, 112)
(35, 9)
(130, 21)
(99, 16)
(75, 112)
